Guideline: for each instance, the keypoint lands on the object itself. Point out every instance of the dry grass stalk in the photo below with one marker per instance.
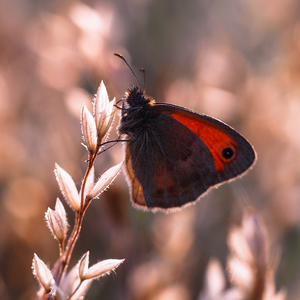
(58, 283)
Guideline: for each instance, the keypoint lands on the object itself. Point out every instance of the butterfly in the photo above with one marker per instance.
(173, 155)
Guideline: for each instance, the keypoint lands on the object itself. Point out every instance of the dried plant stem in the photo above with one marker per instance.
(65, 258)
(57, 284)
(259, 285)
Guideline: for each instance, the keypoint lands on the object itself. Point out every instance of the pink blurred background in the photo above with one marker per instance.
(238, 61)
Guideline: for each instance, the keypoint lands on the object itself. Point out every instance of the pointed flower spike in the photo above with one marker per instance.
(103, 110)
(56, 225)
(103, 268)
(105, 180)
(59, 208)
(100, 269)
(89, 131)
(42, 273)
(109, 117)
(67, 187)
(83, 265)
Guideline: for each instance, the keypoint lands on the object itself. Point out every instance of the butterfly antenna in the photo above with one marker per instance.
(122, 57)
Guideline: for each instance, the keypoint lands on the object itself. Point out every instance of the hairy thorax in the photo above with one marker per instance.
(137, 114)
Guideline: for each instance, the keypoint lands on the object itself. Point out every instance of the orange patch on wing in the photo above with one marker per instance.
(215, 138)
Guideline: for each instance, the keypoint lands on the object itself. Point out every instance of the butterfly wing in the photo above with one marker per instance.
(232, 153)
(135, 187)
(168, 164)
(181, 155)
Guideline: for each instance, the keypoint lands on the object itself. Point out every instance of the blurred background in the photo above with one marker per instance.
(238, 61)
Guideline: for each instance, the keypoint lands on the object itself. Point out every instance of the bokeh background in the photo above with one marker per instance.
(238, 61)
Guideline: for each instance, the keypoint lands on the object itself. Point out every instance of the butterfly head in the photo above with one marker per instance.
(136, 111)
(136, 97)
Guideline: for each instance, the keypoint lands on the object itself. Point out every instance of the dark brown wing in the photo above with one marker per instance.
(168, 164)
(181, 155)
(232, 153)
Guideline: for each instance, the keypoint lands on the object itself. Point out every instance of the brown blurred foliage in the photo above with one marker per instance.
(235, 60)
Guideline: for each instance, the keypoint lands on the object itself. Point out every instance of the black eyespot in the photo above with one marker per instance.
(227, 153)
(171, 189)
